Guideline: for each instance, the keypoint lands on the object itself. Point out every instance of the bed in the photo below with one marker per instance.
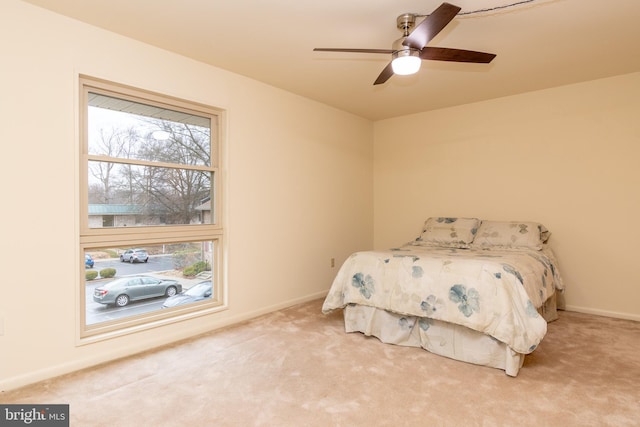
(476, 291)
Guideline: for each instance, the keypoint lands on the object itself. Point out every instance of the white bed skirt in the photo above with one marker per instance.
(445, 339)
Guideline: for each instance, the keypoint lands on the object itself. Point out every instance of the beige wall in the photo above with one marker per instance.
(566, 157)
(298, 179)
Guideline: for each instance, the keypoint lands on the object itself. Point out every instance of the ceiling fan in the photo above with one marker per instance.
(408, 51)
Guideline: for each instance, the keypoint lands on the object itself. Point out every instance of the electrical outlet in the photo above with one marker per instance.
(333, 262)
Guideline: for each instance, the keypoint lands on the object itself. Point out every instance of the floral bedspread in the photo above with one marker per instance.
(491, 291)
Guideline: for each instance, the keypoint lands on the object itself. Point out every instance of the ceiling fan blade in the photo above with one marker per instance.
(329, 49)
(456, 55)
(384, 75)
(431, 26)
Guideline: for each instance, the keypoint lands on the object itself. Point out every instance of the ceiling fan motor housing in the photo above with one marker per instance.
(400, 50)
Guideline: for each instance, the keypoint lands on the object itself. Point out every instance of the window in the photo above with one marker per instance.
(150, 209)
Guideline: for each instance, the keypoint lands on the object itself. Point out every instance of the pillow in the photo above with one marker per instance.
(510, 235)
(448, 232)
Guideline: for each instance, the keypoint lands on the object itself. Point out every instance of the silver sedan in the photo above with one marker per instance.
(121, 291)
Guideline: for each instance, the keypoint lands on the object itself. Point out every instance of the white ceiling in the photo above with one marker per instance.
(539, 44)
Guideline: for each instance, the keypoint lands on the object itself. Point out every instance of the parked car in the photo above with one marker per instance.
(134, 255)
(88, 261)
(195, 293)
(121, 291)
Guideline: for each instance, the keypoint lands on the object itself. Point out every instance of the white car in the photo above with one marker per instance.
(198, 292)
(134, 255)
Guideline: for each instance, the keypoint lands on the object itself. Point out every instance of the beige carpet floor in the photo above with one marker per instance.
(297, 367)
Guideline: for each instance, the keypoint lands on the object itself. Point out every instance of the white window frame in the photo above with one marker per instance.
(96, 238)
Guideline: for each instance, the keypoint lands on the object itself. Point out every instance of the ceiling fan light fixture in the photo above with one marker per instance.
(406, 62)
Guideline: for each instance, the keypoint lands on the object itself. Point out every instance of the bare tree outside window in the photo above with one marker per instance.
(174, 192)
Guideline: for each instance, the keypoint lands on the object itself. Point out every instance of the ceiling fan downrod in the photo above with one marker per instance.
(406, 22)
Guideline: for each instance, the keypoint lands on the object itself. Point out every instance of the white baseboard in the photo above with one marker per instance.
(606, 313)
